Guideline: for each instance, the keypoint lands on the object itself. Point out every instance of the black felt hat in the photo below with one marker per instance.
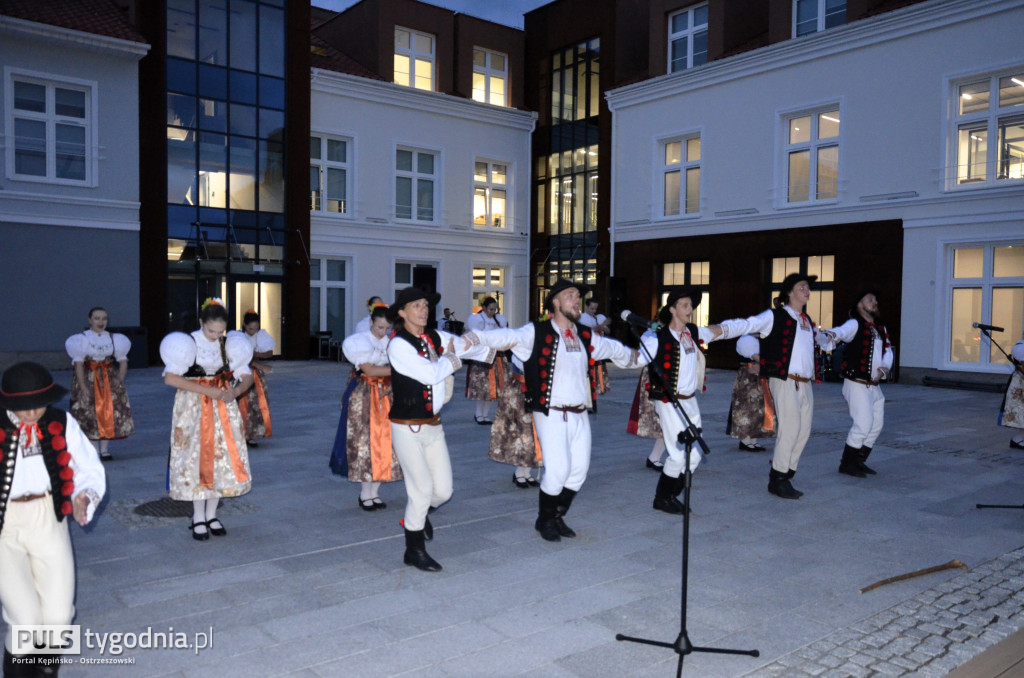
(28, 386)
(691, 291)
(855, 301)
(407, 296)
(561, 285)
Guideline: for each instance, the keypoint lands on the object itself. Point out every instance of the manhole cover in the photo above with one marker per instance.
(166, 507)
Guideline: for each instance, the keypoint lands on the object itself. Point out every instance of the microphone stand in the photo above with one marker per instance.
(687, 437)
(1016, 368)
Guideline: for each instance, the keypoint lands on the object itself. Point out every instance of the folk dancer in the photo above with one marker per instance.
(483, 381)
(867, 361)
(99, 399)
(788, 337)
(558, 360)
(50, 470)
(254, 404)
(751, 413)
(600, 324)
(422, 361)
(1012, 412)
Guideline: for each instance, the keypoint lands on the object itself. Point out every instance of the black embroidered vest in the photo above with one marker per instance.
(666, 360)
(539, 369)
(777, 347)
(858, 354)
(410, 399)
(53, 425)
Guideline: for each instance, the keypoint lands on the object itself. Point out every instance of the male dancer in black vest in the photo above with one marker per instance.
(558, 360)
(50, 470)
(677, 357)
(867, 360)
(422, 360)
(787, 337)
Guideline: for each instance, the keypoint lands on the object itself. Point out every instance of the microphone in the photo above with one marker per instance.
(638, 320)
(990, 328)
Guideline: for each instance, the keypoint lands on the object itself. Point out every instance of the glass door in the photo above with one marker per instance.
(265, 299)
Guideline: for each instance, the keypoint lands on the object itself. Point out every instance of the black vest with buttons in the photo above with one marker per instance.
(858, 354)
(410, 399)
(539, 369)
(666, 360)
(777, 347)
(53, 425)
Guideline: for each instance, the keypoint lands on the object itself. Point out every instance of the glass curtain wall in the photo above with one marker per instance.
(225, 150)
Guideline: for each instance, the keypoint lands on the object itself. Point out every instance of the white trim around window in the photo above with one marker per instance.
(51, 130)
(414, 60)
(331, 179)
(490, 76)
(809, 166)
(678, 184)
(813, 16)
(417, 187)
(985, 137)
(688, 38)
(492, 190)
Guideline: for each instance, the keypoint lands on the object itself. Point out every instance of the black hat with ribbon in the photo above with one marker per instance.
(407, 296)
(561, 285)
(29, 386)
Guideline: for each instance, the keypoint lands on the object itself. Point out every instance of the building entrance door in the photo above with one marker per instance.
(265, 299)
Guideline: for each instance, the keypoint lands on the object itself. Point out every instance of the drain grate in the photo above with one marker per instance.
(165, 507)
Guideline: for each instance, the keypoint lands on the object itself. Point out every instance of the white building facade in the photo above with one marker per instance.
(69, 188)
(414, 187)
(912, 118)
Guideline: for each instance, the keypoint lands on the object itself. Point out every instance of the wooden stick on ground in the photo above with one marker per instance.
(951, 565)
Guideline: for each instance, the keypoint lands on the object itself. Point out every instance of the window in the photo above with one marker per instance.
(328, 174)
(414, 184)
(53, 130)
(490, 76)
(489, 281)
(414, 59)
(820, 305)
(675, 276)
(987, 286)
(490, 180)
(681, 176)
(811, 16)
(328, 296)
(688, 38)
(812, 156)
(986, 109)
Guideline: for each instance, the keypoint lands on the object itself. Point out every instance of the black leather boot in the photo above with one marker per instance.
(564, 502)
(850, 462)
(46, 667)
(789, 476)
(546, 515)
(416, 553)
(865, 452)
(779, 485)
(20, 669)
(665, 495)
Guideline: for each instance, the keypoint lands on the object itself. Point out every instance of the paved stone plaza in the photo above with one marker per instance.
(308, 584)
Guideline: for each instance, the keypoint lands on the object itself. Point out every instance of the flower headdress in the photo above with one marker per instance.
(211, 301)
(379, 304)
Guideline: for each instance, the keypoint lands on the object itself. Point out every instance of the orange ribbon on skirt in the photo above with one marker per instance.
(102, 398)
(495, 377)
(207, 438)
(261, 397)
(380, 428)
(769, 407)
(538, 456)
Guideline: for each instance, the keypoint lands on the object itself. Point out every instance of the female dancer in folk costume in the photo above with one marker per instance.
(513, 437)
(751, 413)
(644, 422)
(601, 325)
(99, 400)
(483, 381)
(254, 404)
(209, 458)
(362, 445)
(1012, 412)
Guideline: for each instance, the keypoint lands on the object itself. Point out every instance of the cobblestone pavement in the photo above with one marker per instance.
(307, 584)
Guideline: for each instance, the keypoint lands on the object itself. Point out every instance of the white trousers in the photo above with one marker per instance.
(565, 443)
(671, 427)
(867, 409)
(423, 454)
(37, 568)
(794, 408)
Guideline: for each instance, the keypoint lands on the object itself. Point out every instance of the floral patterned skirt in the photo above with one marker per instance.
(747, 408)
(230, 476)
(513, 440)
(643, 420)
(122, 425)
(1013, 404)
(483, 381)
(254, 405)
(369, 453)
